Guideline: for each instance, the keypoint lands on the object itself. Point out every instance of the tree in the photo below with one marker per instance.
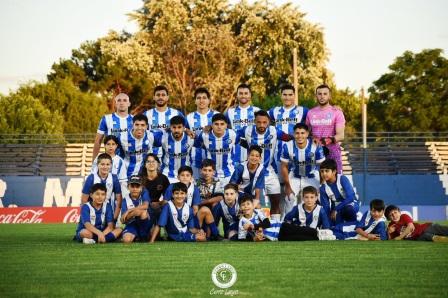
(24, 114)
(413, 96)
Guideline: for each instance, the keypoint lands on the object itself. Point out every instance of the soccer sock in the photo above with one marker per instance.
(275, 217)
(213, 229)
(110, 237)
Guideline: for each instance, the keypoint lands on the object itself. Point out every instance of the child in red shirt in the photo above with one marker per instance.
(402, 226)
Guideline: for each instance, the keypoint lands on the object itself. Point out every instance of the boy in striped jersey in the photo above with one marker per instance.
(254, 225)
(337, 195)
(96, 223)
(228, 210)
(304, 220)
(266, 136)
(285, 117)
(159, 116)
(176, 147)
(139, 142)
(109, 180)
(134, 212)
(219, 145)
(304, 156)
(196, 121)
(117, 124)
(240, 116)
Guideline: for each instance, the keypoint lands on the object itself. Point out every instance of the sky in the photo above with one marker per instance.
(363, 37)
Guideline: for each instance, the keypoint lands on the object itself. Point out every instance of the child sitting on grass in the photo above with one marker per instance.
(402, 227)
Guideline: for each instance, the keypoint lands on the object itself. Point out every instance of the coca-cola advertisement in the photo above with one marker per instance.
(29, 215)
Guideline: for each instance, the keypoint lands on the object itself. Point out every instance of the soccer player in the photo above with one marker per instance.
(134, 212)
(161, 114)
(402, 227)
(285, 117)
(304, 156)
(185, 175)
(138, 144)
(196, 121)
(117, 124)
(96, 223)
(240, 116)
(249, 175)
(111, 143)
(254, 225)
(105, 177)
(219, 146)
(327, 124)
(304, 220)
(265, 136)
(176, 147)
(336, 194)
(177, 218)
(228, 210)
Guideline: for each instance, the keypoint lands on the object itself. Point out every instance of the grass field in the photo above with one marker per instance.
(41, 260)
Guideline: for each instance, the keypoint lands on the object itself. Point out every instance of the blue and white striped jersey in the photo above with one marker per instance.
(118, 168)
(135, 151)
(175, 153)
(220, 150)
(304, 161)
(196, 123)
(160, 120)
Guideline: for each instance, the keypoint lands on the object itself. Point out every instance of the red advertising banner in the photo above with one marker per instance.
(39, 215)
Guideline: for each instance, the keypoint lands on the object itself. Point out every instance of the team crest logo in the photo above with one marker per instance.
(270, 137)
(147, 142)
(229, 141)
(186, 146)
(224, 275)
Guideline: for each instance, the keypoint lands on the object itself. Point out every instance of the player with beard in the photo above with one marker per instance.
(327, 124)
(117, 124)
(240, 116)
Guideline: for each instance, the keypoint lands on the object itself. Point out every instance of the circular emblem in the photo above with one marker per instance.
(229, 141)
(224, 275)
(270, 137)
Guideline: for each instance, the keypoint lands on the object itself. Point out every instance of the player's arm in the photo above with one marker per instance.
(119, 199)
(213, 200)
(349, 193)
(363, 233)
(97, 144)
(84, 198)
(406, 232)
(285, 174)
(91, 228)
(340, 133)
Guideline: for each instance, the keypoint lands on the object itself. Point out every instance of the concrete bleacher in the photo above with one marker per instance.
(439, 154)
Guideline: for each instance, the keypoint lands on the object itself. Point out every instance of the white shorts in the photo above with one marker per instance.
(173, 180)
(297, 185)
(271, 184)
(224, 181)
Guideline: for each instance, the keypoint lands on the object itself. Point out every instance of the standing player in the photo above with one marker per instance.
(219, 145)
(138, 143)
(327, 124)
(117, 124)
(285, 117)
(196, 121)
(304, 156)
(160, 115)
(240, 116)
(176, 147)
(266, 136)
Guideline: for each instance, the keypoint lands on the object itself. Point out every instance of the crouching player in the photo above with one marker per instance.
(228, 210)
(96, 223)
(177, 218)
(304, 220)
(134, 210)
(372, 225)
(402, 226)
(254, 225)
(337, 195)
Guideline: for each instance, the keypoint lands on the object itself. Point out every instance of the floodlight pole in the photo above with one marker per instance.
(364, 144)
(295, 75)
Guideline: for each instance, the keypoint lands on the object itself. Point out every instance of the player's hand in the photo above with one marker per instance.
(373, 236)
(333, 215)
(317, 141)
(248, 226)
(207, 128)
(101, 238)
(327, 141)
(190, 133)
(288, 190)
(201, 236)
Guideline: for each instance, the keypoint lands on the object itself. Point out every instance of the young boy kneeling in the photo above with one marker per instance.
(228, 211)
(402, 226)
(96, 223)
(304, 220)
(177, 218)
(134, 210)
(254, 225)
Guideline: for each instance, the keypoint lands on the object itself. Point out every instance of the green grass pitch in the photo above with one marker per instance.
(41, 260)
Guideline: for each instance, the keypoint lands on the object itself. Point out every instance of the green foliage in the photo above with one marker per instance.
(413, 95)
(27, 115)
(42, 260)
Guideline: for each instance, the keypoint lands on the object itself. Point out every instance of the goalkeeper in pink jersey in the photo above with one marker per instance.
(327, 125)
